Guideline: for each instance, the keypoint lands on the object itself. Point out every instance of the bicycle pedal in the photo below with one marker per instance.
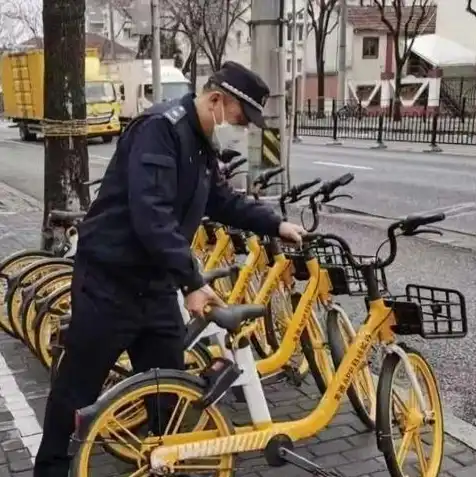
(279, 451)
(292, 375)
(219, 376)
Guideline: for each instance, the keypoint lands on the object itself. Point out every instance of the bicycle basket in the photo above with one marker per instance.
(431, 312)
(345, 278)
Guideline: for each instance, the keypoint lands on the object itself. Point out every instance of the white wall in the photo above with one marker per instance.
(364, 69)
(455, 23)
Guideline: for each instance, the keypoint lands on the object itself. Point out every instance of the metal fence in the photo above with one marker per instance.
(434, 129)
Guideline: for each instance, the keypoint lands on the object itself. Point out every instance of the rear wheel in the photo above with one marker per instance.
(122, 422)
(10, 267)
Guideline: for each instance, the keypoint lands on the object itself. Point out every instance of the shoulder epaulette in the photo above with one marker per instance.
(175, 114)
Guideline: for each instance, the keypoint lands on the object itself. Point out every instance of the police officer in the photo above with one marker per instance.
(134, 244)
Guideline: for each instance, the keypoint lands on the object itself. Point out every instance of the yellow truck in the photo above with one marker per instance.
(23, 78)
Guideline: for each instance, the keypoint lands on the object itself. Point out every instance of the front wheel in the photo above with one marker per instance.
(403, 427)
(169, 396)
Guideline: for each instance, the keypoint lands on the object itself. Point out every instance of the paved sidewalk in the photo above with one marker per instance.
(344, 445)
(413, 147)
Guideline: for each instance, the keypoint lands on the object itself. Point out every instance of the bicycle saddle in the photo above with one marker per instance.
(231, 317)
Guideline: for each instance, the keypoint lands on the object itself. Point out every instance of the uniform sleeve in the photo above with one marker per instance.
(152, 183)
(233, 208)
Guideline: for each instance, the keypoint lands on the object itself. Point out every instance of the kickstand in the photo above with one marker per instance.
(305, 464)
(279, 451)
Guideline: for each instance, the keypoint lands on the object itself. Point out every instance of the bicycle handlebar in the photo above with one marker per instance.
(325, 190)
(229, 168)
(294, 194)
(408, 226)
(329, 187)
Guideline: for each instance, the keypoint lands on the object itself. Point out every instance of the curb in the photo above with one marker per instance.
(31, 201)
(460, 430)
(389, 148)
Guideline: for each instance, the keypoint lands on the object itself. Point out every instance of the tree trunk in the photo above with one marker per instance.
(321, 78)
(66, 153)
(397, 104)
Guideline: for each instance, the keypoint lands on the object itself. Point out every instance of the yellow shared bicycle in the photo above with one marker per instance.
(189, 435)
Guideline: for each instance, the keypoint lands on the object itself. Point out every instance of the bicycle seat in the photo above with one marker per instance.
(66, 215)
(231, 317)
(212, 275)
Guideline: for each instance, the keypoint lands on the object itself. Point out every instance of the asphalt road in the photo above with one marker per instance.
(388, 184)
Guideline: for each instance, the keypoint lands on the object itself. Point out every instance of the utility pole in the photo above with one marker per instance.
(156, 76)
(265, 147)
(291, 137)
(112, 31)
(304, 60)
(341, 92)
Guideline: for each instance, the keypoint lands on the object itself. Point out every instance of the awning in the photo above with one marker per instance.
(441, 52)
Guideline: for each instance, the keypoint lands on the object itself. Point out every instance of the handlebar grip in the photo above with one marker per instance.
(415, 221)
(265, 176)
(229, 168)
(299, 189)
(227, 155)
(345, 179)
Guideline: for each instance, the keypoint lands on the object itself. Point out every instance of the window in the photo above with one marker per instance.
(299, 32)
(238, 38)
(370, 47)
(99, 92)
(288, 66)
(299, 65)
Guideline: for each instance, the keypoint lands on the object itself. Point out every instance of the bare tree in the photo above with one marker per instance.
(26, 14)
(405, 20)
(219, 17)
(66, 153)
(323, 22)
(470, 8)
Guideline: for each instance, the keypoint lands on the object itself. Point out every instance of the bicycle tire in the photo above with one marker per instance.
(274, 340)
(18, 259)
(41, 322)
(28, 303)
(337, 347)
(131, 390)
(19, 281)
(386, 413)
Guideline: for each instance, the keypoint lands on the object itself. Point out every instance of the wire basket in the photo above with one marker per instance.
(345, 278)
(430, 312)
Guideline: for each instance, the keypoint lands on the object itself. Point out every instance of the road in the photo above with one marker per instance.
(387, 184)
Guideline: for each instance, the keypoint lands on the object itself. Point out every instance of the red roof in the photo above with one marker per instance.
(369, 19)
(93, 40)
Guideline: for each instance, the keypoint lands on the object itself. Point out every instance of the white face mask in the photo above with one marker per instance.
(226, 135)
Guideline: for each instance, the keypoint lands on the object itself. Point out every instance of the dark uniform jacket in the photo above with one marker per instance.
(161, 181)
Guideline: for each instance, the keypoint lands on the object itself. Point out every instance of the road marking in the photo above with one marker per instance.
(24, 416)
(36, 146)
(347, 166)
(455, 210)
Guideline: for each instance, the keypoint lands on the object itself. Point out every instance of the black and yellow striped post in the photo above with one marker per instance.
(270, 147)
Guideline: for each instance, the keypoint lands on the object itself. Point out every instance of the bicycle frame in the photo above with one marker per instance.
(378, 327)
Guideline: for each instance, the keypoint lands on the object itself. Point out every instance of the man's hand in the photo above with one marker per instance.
(291, 232)
(196, 301)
